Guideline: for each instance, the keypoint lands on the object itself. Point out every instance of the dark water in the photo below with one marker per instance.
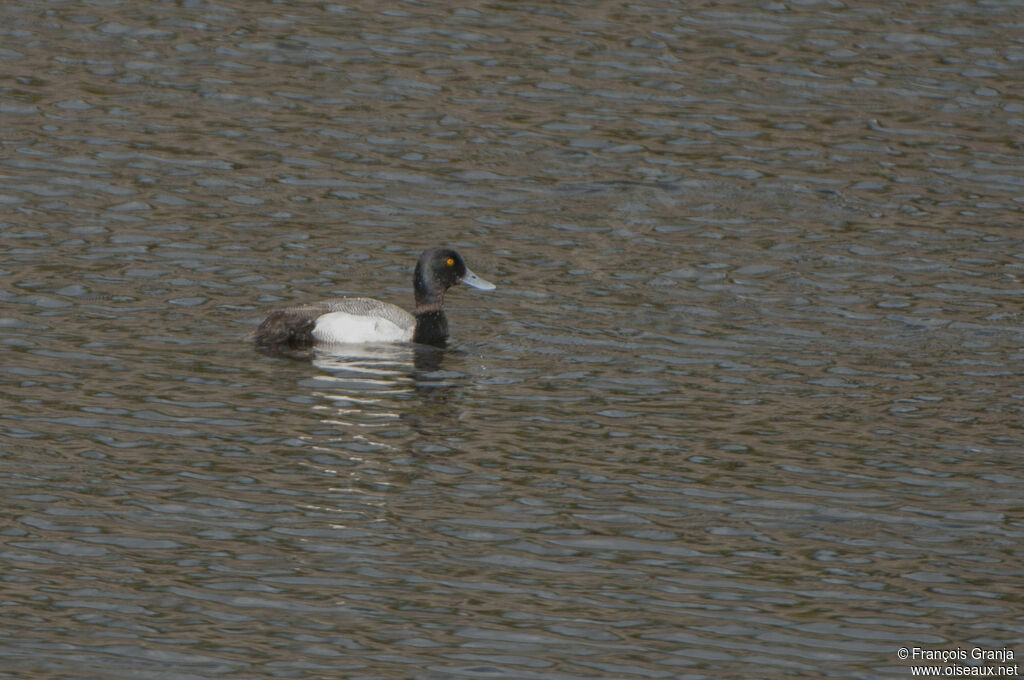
(746, 402)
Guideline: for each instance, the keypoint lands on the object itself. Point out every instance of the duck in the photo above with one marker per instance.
(361, 320)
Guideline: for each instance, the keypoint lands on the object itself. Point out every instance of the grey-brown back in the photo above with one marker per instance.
(292, 327)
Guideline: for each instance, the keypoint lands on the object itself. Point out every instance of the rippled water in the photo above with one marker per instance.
(746, 402)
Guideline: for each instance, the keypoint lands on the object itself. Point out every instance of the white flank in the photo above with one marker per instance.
(345, 328)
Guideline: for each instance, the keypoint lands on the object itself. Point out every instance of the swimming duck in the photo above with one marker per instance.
(349, 320)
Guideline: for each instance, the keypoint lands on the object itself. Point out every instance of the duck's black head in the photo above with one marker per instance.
(437, 270)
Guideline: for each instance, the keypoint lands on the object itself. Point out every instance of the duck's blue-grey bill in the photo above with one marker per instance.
(471, 279)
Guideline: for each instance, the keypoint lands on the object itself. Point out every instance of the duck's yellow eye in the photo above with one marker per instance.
(450, 262)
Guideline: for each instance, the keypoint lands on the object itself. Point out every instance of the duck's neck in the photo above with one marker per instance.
(431, 323)
(431, 327)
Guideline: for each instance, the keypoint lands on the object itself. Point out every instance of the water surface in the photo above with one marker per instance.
(746, 402)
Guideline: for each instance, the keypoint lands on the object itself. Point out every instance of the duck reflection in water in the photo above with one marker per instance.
(370, 387)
